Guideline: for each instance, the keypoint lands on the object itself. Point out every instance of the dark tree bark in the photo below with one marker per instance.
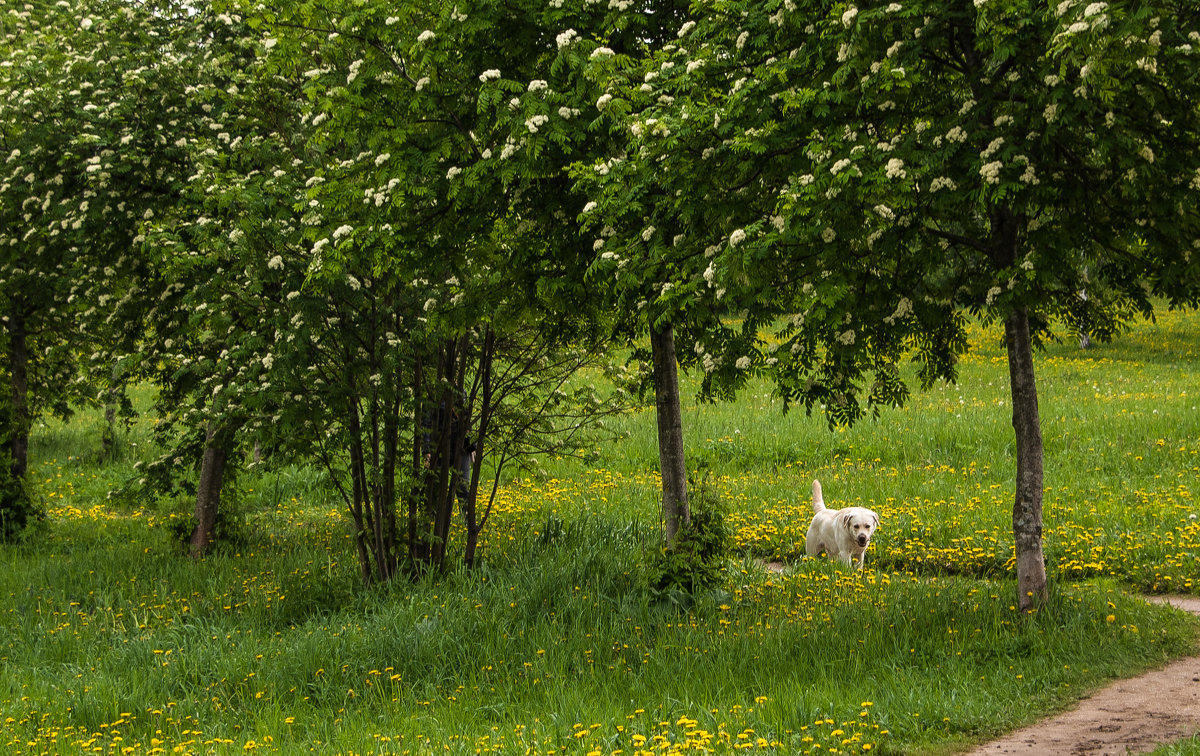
(208, 493)
(470, 515)
(18, 371)
(1027, 508)
(675, 511)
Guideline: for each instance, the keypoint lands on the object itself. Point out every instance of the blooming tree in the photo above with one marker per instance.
(360, 271)
(88, 89)
(916, 161)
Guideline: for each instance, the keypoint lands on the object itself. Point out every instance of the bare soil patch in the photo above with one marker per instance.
(1135, 715)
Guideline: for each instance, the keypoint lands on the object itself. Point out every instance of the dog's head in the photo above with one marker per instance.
(860, 522)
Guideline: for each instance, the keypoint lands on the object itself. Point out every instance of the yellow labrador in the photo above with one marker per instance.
(843, 534)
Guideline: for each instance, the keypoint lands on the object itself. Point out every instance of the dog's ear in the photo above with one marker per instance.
(843, 519)
(875, 517)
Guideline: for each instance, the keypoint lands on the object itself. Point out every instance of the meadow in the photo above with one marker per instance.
(112, 642)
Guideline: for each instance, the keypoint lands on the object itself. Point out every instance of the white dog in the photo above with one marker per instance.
(843, 534)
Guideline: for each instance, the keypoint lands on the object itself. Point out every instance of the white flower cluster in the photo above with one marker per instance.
(566, 38)
(425, 36)
(992, 147)
(903, 310)
(849, 16)
(489, 75)
(895, 168)
(533, 122)
(942, 182)
(991, 172)
(737, 237)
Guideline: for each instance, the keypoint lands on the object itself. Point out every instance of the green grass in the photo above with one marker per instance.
(112, 642)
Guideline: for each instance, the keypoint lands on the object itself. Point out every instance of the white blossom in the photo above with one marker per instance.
(991, 172)
(895, 168)
(743, 363)
(489, 75)
(275, 263)
(533, 122)
(903, 310)
(342, 231)
(566, 38)
(425, 36)
(849, 16)
(994, 145)
(737, 237)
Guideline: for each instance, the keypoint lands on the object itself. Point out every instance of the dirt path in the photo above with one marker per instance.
(1129, 716)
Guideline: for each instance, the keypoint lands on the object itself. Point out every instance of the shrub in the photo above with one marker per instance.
(695, 561)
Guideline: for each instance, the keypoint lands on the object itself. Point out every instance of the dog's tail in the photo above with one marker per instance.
(818, 499)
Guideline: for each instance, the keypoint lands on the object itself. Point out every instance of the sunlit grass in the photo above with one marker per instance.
(112, 642)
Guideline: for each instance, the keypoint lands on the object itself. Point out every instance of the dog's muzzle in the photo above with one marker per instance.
(863, 540)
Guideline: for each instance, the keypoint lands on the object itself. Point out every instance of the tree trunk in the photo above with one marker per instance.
(675, 512)
(208, 493)
(18, 371)
(471, 517)
(1027, 508)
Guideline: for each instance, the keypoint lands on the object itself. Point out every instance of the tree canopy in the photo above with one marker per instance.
(320, 225)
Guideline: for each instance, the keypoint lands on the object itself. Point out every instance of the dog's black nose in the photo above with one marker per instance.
(862, 540)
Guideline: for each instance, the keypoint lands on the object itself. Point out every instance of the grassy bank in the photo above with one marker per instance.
(111, 642)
